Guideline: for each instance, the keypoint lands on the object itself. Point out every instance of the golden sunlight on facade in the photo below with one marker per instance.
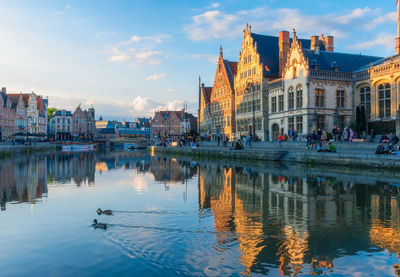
(286, 84)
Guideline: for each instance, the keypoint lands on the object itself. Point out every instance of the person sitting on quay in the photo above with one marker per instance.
(320, 147)
(237, 145)
(394, 139)
(391, 148)
(384, 139)
(381, 150)
(280, 138)
(331, 148)
(286, 138)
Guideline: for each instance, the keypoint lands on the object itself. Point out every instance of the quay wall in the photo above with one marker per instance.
(9, 150)
(274, 152)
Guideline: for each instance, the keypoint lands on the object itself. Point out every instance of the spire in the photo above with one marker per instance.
(220, 51)
(294, 35)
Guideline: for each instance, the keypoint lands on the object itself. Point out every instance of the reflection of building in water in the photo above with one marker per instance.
(23, 180)
(170, 170)
(125, 160)
(385, 224)
(76, 167)
(289, 221)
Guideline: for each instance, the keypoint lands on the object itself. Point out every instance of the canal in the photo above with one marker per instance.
(205, 218)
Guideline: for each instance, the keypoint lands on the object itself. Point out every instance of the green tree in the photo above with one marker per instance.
(50, 112)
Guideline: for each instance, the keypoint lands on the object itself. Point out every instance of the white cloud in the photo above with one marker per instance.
(384, 40)
(171, 90)
(68, 6)
(118, 56)
(155, 77)
(143, 52)
(216, 24)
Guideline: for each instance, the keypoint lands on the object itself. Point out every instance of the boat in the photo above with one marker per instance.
(77, 147)
(133, 146)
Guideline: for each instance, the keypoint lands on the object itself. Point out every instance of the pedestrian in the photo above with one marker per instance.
(371, 135)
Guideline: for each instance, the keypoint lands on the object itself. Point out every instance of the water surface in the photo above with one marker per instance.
(174, 217)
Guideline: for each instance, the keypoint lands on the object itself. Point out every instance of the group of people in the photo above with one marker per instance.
(391, 140)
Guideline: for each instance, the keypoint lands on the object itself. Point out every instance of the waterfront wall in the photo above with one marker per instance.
(363, 157)
(8, 150)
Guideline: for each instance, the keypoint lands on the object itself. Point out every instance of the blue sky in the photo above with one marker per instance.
(129, 58)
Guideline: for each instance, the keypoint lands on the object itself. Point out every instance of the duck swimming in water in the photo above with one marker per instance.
(96, 225)
(106, 212)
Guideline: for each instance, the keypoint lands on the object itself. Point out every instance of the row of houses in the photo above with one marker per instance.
(123, 131)
(172, 124)
(79, 125)
(282, 83)
(22, 115)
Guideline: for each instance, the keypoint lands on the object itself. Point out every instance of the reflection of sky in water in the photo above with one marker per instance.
(173, 218)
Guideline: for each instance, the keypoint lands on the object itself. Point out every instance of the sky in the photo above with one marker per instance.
(131, 58)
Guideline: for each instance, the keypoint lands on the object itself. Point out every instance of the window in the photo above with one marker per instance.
(384, 101)
(299, 97)
(321, 122)
(258, 124)
(340, 99)
(228, 120)
(245, 60)
(281, 104)
(365, 99)
(258, 105)
(319, 98)
(291, 99)
(291, 123)
(299, 124)
(273, 104)
(249, 58)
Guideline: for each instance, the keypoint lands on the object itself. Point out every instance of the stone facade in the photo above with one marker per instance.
(172, 124)
(20, 118)
(61, 125)
(218, 113)
(285, 83)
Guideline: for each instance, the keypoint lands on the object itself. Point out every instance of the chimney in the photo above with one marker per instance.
(329, 46)
(315, 44)
(284, 45)
(398, 28)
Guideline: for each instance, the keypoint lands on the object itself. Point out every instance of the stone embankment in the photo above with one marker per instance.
(8, 150)
(348, 154)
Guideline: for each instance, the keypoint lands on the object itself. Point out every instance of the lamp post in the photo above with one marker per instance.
(253, 133)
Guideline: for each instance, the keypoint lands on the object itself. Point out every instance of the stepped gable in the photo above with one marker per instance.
(268, 49)
(345, 62)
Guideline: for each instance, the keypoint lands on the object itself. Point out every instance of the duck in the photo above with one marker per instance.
(106, 212)
(99, 225)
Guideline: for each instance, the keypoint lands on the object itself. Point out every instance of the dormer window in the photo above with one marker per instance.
(314, 64)
(335, 66)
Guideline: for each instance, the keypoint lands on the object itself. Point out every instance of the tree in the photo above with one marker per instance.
(50, 112)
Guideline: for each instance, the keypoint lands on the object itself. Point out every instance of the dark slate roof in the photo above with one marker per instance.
(268, 48)
(68, 113)
(379, 62)
(345, 62)
(107, 131)
(230, 71)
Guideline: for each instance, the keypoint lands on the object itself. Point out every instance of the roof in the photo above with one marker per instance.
(231, 72)
(207, 94)
(346, 62)
(14, 100)
(107, 131)
(59, 113)
(268, 49)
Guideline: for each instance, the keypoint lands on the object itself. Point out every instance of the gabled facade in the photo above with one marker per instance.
(315, 91)
(217, 109)
(19, 109)
(79, 123)
(172, 124)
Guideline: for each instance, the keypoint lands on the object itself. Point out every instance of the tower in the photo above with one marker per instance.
(398, 28)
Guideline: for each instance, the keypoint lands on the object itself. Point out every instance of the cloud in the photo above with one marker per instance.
(118, 56)
(216, 24)
(68, 6)
(137, 50)
(155, 77)
(384, 40)
(171, 90)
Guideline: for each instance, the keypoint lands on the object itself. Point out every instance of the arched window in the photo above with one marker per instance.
(291, 99)
(384, 101)
(365, 99)
(299, 97)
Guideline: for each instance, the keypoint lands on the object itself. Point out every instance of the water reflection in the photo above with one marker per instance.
(299, 222)
(263, 218)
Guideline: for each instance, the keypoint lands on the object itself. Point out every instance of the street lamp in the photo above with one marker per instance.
(254, 112)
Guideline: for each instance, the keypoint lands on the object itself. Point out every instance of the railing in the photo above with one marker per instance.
(385, 69)
(322, 74)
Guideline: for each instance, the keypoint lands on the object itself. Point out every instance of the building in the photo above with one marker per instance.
(315, 90)
(106, 132)
(217, 108)
(90, 123)
(32, 113)
(79, 124)
(20, 118)
(61, 125)
(286, 83)
(42, 106)
(172, 124)
(144, 123)
(6, 117)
